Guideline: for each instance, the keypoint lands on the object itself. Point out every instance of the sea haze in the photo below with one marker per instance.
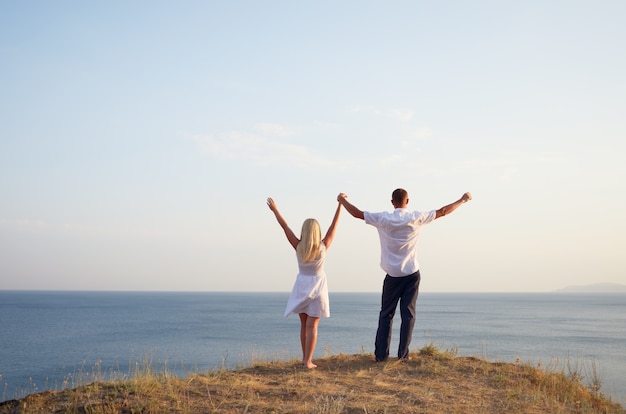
(51, 339)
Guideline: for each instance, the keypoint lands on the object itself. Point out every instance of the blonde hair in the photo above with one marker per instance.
(310, 241)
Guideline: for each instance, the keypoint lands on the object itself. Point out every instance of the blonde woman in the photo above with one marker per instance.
(309, 296)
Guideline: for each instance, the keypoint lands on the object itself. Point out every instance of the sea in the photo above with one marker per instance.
(51, 340)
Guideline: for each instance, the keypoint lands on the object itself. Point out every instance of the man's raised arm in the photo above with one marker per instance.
(445, 210)
(342, 198)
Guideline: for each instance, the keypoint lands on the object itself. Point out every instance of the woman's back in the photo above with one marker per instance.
(315, 267)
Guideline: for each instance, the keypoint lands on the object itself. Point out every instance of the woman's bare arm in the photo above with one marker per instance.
(291, 237)
(330, 234)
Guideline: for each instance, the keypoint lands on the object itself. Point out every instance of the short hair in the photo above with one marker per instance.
(399, 196)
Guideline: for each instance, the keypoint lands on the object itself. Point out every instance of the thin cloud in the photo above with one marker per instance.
(507, 165)
(398, 114)
(32, 226)
(23, 223)
(262, 148)
(422, 133)
(273, 129)
(273, 145)
(404, 115)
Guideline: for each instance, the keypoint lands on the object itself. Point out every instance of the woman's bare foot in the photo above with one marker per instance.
(310, 365)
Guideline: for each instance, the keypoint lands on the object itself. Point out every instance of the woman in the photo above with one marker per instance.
(309, 296)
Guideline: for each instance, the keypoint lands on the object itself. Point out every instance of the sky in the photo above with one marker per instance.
(140, 140)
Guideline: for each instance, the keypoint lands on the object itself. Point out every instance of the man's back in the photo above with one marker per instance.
(398, 232)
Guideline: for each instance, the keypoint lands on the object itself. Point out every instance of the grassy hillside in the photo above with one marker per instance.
(432, 381)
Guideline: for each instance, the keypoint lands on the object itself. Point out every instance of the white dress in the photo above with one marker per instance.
(310, 291)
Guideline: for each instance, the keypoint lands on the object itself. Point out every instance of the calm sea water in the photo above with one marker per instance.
(51, 340)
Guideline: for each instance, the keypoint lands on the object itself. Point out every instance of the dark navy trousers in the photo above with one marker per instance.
(397, 289)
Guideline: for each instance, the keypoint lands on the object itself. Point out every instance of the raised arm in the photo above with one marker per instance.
(291, 237)
(343, 200)
(330, 234)
(445, 210)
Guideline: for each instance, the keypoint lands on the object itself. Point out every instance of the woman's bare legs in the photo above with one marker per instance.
(308, 338)
(303, 317)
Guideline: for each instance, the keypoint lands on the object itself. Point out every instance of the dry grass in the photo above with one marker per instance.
(430, 382)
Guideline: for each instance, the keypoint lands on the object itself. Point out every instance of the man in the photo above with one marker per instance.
(398, 232)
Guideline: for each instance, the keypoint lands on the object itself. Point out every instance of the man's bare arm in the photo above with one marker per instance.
(445, 210)
(355, 212)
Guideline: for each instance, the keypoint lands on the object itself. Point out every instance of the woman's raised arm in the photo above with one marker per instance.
(330, 234)
(291, 237)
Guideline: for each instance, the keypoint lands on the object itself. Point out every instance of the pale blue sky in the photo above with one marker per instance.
(139, 140)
